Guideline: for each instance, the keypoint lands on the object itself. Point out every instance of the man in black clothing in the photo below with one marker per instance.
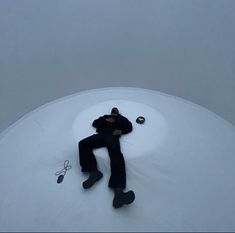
(109, 129)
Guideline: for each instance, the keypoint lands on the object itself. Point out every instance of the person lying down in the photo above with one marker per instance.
(109, 129)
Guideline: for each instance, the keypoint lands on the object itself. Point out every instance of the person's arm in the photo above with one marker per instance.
(125, 126)
(99, 122)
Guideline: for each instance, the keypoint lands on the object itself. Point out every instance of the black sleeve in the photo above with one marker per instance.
(99, 122)
(126, 125)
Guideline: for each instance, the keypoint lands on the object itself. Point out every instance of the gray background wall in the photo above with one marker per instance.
(49, 49)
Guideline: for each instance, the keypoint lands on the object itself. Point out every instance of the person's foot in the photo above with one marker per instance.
(93, 178)
(123, 198)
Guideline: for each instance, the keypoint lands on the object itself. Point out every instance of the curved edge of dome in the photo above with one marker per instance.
(82, 92)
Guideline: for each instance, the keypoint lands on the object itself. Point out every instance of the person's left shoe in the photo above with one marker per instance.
(123, 198)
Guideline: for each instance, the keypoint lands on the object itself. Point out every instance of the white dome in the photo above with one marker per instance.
(180, 164)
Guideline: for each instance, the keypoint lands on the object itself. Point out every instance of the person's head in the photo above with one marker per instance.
(114, 111)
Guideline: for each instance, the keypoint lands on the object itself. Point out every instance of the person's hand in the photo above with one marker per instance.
(117, 132)
(110, 119)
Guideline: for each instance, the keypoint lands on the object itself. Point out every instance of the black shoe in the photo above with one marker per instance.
(93, 178)
(121, 198)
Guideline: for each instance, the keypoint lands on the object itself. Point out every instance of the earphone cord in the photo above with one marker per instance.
(65, 169)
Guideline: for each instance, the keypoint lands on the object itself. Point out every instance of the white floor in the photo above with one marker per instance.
(180, 164)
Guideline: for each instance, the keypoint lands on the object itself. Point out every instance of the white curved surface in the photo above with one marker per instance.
(183, 181)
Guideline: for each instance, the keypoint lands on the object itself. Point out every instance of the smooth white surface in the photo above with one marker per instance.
(183, 182)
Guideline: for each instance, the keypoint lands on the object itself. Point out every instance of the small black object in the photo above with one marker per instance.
(140, 120)
(60, 179)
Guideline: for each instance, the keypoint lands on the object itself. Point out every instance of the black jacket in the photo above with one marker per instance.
(121, 123)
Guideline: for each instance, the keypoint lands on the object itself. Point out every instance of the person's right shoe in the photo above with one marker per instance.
(94, 176)
(123, 198)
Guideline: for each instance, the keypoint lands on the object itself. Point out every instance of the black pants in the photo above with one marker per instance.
(88, 161)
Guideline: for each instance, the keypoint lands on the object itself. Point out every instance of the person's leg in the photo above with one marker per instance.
(86, 156)
(117, 162)
(117, 179)
(88, 160)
